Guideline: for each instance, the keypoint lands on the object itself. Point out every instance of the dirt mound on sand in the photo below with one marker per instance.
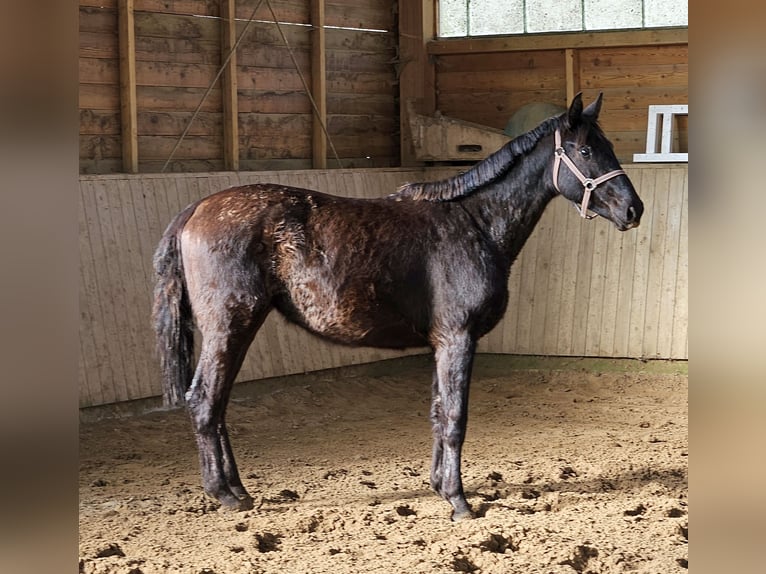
(573, 466)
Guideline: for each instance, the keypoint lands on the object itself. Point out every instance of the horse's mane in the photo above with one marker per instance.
(489, 169)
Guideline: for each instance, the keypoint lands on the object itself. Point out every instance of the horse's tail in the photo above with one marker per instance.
(172, 314)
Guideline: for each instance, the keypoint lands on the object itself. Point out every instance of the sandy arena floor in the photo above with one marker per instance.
(573, 466)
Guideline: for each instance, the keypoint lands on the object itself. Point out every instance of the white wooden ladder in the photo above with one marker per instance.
(664, 114)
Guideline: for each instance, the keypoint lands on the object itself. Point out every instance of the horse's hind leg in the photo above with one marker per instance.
(449, 415)
(221, 356)
(206, 401)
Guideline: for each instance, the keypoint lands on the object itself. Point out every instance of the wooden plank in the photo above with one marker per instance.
(192, 147)
(96, 361)
(382, 105)
(229, 86)
(670, 261)
(630, 56)
(274, 56)
(359, 82)
(182, 50)
(173, 123)
(524, 312)
(100, 147)
(416, 74)
(500, 61)
(270, 102)
(128, 101)
(98, 122)
(106, 269)
(610, 291)
(508, 81)
(646, 190)
(627, 263)
(173, 74)
(98, 3)
(358, 41)
(269, 79)
(288, 11)
(99, 71)
(159, 25)
(376, 15)
(559, 41)
(657, 249)
(551, 320)
(583, 289)
(318, 84)
(572, 66)
(266, 34)
(649, 75)
(540, 306)
(100, 166)
(593, 325)
(190, 7)
(136, 339)
(380, 62)
(680, 325)
(95, 19)
(98, 45)
(567, 302)
(174, 98)
(99, 97)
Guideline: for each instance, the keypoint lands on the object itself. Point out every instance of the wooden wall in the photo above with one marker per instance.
(177, 55)
(486, 80)
(579, 288)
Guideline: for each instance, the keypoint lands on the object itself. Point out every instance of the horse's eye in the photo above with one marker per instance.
(585, 151)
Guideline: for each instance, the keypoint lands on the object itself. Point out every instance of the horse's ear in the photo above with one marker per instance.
(592, 111)
(575, 111)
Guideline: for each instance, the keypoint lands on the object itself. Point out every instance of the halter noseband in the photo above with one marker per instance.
(588, 184)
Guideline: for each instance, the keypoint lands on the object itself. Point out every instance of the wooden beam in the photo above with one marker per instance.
(559, 41)
(229, 86)
(572, 64)
(318, 84)
(128, 108)
(417, 73)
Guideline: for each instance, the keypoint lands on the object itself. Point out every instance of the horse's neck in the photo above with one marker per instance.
(508, 209)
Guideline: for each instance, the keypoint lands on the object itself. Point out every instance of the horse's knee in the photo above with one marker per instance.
(203, 417)
(454, 433)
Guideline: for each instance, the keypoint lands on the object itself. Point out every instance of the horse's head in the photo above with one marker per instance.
(586, 171)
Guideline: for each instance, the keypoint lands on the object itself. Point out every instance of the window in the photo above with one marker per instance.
(490, 17)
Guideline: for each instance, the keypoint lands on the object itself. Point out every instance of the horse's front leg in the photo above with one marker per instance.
(449, 414)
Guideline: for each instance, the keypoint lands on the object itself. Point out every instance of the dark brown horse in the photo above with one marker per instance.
(426, 266)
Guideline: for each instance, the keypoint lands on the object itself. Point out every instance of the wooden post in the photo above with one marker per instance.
(318, 84)
(572, 63)
(417, 74)
(229, 87)
(128, 108)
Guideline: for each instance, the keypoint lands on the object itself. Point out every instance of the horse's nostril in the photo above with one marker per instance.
(631, 213)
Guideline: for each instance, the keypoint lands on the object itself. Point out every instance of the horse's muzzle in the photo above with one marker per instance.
(631, 218)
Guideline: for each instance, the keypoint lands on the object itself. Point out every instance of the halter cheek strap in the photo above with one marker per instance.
(588, 184)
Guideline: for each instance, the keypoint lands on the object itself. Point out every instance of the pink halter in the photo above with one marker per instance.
(588, 184)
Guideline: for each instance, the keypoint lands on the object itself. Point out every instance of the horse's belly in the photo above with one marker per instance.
(349, 318)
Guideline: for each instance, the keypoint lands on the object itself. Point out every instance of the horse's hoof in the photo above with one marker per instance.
(466, 514)
(236, 504)
(246, 502)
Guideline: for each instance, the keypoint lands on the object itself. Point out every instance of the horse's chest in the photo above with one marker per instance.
(473, 292)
